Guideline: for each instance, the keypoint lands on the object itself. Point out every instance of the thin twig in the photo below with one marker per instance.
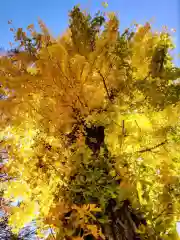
(138, 125)
(123, 128)
(155, 218)
(105, 85)
(152, 148)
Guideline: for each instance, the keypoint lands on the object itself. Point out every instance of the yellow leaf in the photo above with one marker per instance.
(31, 26)
(93, 230)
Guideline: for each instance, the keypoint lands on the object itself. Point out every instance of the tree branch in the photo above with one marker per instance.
(152, 148)
(105, 85)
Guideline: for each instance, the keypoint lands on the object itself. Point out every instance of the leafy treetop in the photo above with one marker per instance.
(57, 89)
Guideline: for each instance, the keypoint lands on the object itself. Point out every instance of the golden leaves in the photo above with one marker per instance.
(20, 34)
(30, 27)
(140, 121)
(93, 230)
(56, 213)
(83, 213)
(86, 210)
(16, 190)
(63, 87)
(22, 215)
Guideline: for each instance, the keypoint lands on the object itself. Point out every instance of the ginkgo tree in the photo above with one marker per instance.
(91, 124)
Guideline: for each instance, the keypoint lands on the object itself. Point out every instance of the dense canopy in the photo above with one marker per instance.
(90, 122)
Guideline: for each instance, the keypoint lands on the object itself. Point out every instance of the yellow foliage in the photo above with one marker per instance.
(56, 88)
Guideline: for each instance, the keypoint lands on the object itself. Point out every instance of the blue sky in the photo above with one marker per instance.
(55, 14)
